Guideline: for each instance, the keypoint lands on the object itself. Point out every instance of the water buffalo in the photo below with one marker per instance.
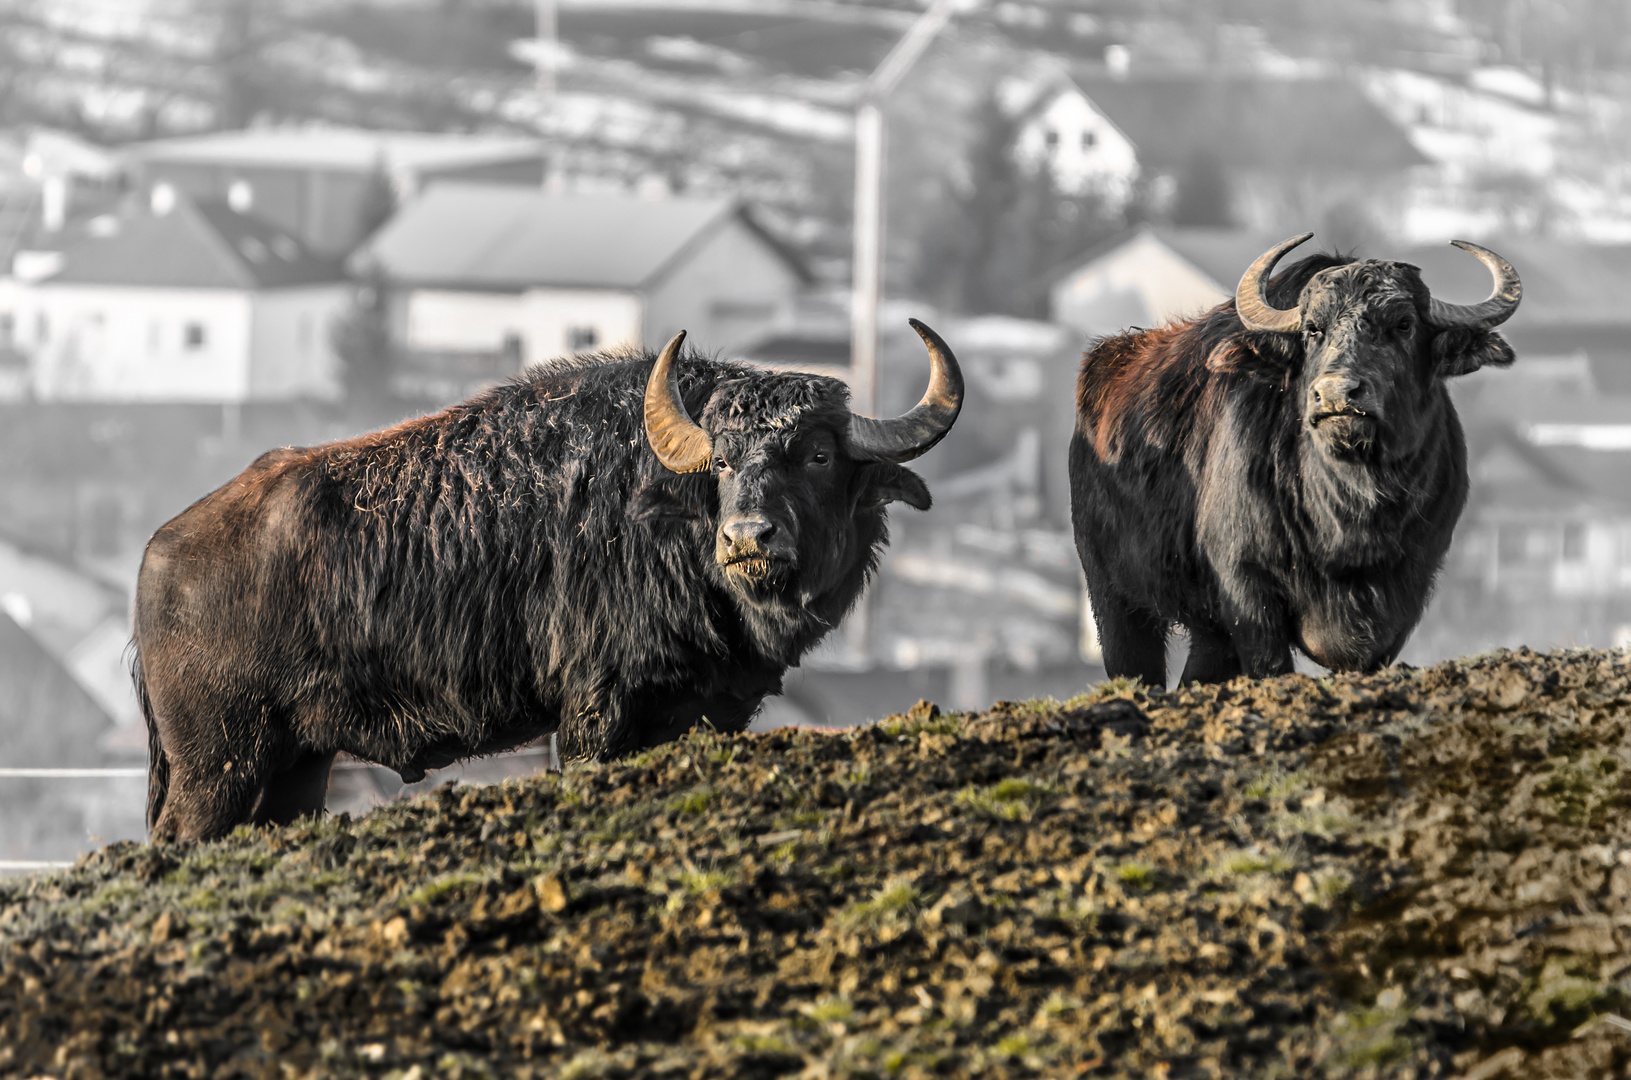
(568, 553)
(1282, 471)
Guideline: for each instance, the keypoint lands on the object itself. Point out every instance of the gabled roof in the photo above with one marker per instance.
(1319, 125)
(196, 245)
(504, 237)
(337, 148)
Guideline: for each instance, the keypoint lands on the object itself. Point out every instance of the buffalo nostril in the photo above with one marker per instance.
(749, 530)
(1337, 390)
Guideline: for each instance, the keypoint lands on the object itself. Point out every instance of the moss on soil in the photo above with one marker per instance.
(1417, 873)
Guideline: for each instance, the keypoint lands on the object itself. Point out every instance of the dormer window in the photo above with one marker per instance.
(1051, 138)
(1090, 139)
(193, 336)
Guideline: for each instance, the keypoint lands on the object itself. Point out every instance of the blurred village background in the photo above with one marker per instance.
(228, 225)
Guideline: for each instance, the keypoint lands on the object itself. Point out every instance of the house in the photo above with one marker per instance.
(181, 300)
(485, 278)
(319, 183)
(1283, 154)
(1151, 276)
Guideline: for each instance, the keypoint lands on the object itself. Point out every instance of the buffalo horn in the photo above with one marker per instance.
(1256, 313)
(913, 433)
(679, 443)
(1502, 301)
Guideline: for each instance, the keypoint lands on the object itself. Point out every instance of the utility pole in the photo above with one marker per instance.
(548, 34)
(866, 273)
(545, 62)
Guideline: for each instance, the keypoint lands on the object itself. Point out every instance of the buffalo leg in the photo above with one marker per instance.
(203, 803)
(297, 791)
(1134, 642)
(1212, 657)
(1262, 652)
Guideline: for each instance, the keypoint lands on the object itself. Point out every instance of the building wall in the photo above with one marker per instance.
(728, 290)
(113, 343)
(290, 351)
(546, 323)
(560, 322)
(1141, 283)
(457, 320)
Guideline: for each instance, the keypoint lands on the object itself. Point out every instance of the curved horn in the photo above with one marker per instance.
(679, 443)
(1497, 309)
(926, 423)
(1256, 313)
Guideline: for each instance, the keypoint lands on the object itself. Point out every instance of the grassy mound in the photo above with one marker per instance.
(1417, 873)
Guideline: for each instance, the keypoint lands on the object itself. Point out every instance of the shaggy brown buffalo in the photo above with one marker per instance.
(568, 553)
(1283, 471)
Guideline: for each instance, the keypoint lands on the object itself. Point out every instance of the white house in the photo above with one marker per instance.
(1284, 152)
(1065, 132)
(488, 274)
(181, 301)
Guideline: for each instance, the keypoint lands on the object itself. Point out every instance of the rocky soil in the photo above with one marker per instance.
(1418, 873)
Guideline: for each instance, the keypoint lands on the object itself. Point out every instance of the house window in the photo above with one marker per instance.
(1574, 542)
(582, 337)
(1051, 138)
(193, 336)
(1089, 139)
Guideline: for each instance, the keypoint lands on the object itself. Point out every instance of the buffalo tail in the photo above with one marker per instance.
(158, 766)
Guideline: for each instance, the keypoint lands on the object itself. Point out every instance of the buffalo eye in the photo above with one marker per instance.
(820, 458)
(721, 465)
(1315, 331)
(1405, 325)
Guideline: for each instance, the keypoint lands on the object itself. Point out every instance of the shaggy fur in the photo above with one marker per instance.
(1213, 487)
(515, 565)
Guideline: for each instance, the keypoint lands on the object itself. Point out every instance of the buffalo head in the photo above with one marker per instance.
(1372, 341)
(800, 480)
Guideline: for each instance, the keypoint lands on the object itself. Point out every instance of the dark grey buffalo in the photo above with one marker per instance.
(610, 549)
(1282, 472)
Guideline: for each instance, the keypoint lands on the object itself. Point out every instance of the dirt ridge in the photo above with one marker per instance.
(1409, 874)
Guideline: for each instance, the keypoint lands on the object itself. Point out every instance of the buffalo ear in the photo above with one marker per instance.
(687, 496)
(1463, 350)
(1257, 356)
(880, 483)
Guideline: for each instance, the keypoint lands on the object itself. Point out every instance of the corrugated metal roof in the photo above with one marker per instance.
(493, 236)
(341, 148)
(196, 245)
